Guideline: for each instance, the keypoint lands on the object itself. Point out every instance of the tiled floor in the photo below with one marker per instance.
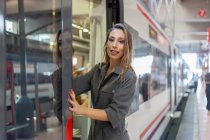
(53, 132)
(195, 123)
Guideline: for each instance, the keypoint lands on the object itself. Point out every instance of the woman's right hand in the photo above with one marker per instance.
(75, 108)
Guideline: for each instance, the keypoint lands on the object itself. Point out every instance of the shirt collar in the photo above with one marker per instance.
(104, 68)
(118, 70)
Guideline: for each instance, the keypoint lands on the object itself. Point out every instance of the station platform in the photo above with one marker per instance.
(195, 122)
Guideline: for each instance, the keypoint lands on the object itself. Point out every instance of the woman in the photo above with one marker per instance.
(57, 74)
(207, 90)
(56, 78)
(112, 86)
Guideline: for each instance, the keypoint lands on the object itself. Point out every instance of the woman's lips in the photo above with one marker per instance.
(113, 52)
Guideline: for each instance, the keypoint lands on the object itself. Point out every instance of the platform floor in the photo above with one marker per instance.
(195, 124)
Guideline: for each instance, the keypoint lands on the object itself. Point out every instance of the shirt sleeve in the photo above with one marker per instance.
(82, 83)
(117, 110)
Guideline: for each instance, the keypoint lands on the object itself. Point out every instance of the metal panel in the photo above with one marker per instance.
(66, 12)
(22, 47)
(2, 71)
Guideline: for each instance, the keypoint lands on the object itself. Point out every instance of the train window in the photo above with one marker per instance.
(158, 73)
(150, 65)
(150, 56)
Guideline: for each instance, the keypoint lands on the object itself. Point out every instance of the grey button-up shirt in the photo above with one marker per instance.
(112, 94)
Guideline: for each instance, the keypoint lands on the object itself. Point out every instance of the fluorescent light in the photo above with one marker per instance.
(85, 30)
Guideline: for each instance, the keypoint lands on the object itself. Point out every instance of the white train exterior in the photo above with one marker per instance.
(167, 70)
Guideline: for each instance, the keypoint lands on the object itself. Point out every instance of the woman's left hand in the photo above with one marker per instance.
(75, 108)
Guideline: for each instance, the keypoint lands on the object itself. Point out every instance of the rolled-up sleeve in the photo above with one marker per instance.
(82, 83)
(123, 96)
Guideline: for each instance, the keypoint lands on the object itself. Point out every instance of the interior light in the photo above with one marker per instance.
(85, 30)
(52, 43)
(74, 61)
(53, 13)
(77, 26)
(80, 28)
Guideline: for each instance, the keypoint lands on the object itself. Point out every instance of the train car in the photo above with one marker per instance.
(159, 68)
(44, 70)
(154, 112)
(158, 64)
(43, 81)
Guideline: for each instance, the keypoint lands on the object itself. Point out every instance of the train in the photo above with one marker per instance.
(13, 83)
(162, 74)
(161, 71)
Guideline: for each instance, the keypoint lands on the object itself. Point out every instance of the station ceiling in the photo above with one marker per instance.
(179, 18)
(185, 21)
(192, 23)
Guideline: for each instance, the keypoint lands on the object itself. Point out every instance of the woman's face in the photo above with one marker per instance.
(115, 45)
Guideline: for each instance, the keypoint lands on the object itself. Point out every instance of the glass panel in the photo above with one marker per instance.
(151, 52)
(89, 28)
(31, 29)
(150, 65)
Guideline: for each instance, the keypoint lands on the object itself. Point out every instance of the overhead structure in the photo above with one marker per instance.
(185, 21)
(191, 27)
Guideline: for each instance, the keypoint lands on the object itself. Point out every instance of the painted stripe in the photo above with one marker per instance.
(156, 128)
(195, 133)
(154, 120)
(150, 20)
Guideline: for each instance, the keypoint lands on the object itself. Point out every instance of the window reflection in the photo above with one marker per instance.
(150, 65)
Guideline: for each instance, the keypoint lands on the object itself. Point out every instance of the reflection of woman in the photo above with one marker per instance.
(57, 74)
(56, 78)
(112, 86)
(144, 88)
(207, 89)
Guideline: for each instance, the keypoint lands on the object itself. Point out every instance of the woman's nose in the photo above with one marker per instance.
(114, 44)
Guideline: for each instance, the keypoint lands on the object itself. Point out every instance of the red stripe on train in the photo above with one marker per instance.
(149, 19)
(152, 123)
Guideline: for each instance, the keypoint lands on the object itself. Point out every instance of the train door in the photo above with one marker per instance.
(170, 82)
(175, 77)
(89, 26)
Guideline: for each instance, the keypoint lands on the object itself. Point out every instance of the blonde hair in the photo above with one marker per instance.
(128, 48)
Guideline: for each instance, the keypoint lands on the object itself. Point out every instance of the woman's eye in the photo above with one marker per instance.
(122, 41)
(111, 39)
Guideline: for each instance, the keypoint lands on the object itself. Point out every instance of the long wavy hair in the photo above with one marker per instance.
(57, 56)
(128, 48)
